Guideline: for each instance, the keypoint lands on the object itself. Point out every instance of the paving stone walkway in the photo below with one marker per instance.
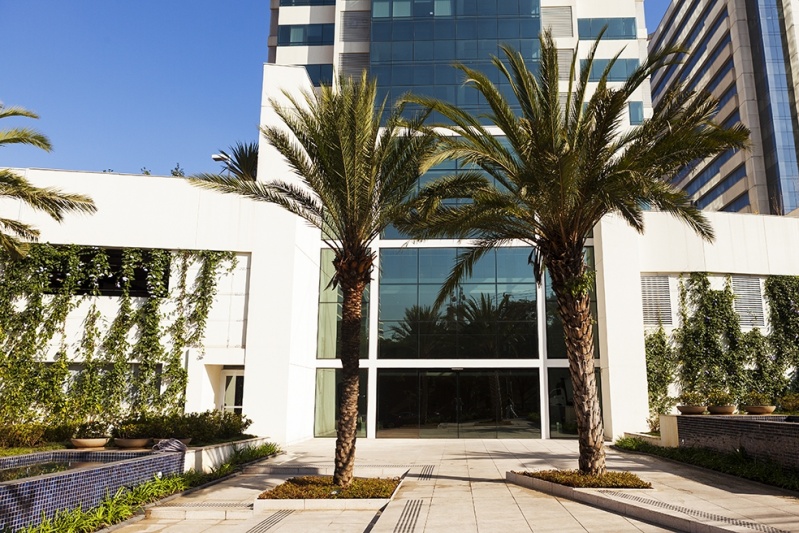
(459, 486)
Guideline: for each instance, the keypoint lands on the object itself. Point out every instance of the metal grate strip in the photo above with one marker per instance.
(693, 512)
(409, 516)
(236, 504)
(748, 300)
(656, 297)
(271, 521)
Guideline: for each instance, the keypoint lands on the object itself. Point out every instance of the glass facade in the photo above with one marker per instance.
(305, 34)
(562, 416)
(320, 74)
(776, 121)
(492, 315)
(459, 403)
(416, 42)
(328, 343)
(615, 28)
(328, 398)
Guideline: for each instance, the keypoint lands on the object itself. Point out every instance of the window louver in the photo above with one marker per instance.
(559, 19)
(565, 56)
(656, 298)
(353, 64)
(356, 26)
(748, 300)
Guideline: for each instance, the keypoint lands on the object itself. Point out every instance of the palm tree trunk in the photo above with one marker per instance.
(568, 273)
(350, 362)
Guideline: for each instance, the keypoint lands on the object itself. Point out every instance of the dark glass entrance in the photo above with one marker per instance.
(455, 403)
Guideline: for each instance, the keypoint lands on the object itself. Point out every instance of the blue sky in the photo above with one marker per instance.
(125, 85)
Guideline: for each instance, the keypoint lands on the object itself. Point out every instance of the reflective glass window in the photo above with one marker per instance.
(636, 112)
(615, 28)
(305, 34)
(329, 387)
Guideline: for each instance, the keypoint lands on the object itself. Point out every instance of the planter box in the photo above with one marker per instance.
(365, 504)
(206, 458)
(98, 442)
(759, 409)
(650, 439)
(131, 443)
(721, 409)
(691, 409)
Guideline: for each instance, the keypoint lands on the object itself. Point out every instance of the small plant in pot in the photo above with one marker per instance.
(757, 403)
(91, 434)
(790, 403)
(720, 402)
(132, 433)
(691, 403)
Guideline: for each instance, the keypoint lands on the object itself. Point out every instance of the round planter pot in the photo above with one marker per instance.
(90, 443)
(691, 409)
(721, 409)
(132, 443)
(759, 409)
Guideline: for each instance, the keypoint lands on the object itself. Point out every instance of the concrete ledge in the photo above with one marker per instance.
(650, 439)
(640, 511)
(361, 504)
(206, 458)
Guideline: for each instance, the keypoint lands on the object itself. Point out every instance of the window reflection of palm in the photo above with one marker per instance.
(559, 399)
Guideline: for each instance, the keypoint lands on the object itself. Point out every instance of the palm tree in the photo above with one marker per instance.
(560, 171)
(356, 168)
(52, 201)
(242, 161)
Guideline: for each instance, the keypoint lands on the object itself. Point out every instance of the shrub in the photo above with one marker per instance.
(22, 435)
(756, 398)
(132, 428)
(321, 487)
(790, 402)
(692, 398)
(718, 397)
(60, 432)
(573, 478)
(91, 430)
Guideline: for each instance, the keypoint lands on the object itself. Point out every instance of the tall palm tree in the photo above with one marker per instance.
(561, 170)
(357, 167)
(13, 233)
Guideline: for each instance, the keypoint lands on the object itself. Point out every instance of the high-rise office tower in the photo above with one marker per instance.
(745, 53)
(493, 364)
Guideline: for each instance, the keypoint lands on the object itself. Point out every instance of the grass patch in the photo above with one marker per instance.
(128, 501)
(738, 463)
(573, 478)
(7, 452)
(321, 488)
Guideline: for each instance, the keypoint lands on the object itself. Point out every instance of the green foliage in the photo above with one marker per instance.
(22, 450)
(790, 402)
(717, 397)
(37, 294)
(574, 478)
(322, 488)
(26, 435)
(661, 367)
(692, 398)
(708, 338)
(203, 428)
(735, 463)
(92, 430)
(756, 398)
(782, 293)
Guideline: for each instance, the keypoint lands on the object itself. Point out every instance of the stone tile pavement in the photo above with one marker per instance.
(465, 491)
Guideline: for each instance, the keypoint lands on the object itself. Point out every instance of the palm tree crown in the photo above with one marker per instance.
(52, 201)
(356, 170)
(560, 170)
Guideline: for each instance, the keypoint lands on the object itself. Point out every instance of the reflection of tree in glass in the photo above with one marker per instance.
(419, 321)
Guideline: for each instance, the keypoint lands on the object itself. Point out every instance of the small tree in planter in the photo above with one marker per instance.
(132, 433)
(91, 434)
(720, 402)
(789, 403)
(691, 403)
(757, 403)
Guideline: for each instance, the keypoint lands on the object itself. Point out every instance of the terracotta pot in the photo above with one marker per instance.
(721, 409)
(131, 443)
(98, 442)
(691, 409)
(759, 409)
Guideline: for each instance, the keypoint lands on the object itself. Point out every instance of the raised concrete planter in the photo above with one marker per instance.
(365, 504)
(630, 508)
(206, 458)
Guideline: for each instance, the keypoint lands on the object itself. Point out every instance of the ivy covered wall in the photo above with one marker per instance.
(709, 352)
(128, 362)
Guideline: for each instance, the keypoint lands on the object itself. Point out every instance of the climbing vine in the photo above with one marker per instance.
(661, 367)
(128, 362)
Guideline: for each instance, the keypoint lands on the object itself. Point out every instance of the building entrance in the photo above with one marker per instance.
(458, 403)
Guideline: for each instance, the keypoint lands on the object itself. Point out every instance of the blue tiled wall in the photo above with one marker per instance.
(23, 502)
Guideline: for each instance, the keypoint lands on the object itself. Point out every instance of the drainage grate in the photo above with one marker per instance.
(271, 521)
(235, 504)
(693, 512)
(426, 473)
(409, 516)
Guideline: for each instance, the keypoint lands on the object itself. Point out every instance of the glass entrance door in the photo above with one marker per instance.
(456, 403)
(233, 395)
